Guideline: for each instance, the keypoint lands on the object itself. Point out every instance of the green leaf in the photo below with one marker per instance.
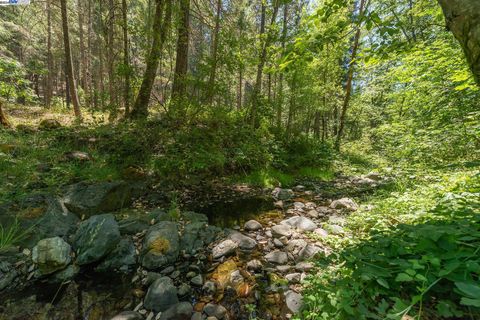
(383, 283)
(469, 289)
(403, 277)
(470, 302)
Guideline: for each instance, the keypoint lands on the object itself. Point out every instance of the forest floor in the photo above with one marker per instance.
(383, 233)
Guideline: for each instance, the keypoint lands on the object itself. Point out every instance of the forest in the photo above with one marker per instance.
(239, 159)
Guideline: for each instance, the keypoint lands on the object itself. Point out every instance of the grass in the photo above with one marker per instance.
(11, 235)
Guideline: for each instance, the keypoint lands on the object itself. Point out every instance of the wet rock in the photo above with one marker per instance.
(183, 290)
(282, 194)
(254, 265)
(51, 254)
(277, 257)
(123, 258)
(49, 124)
(95, 238)
(252, 225)
(321, 232)
(128, 315)
(242, 241)
(300, 223)
(196, 235)
(197, 280)
(215, 310)
(161, 245)
(293, 301)
(197, 316)
(161, 295)
(7, 274)
(133, 225)
(225, 248)
(281, 230)
(89, 199)
(180, 311)
(346, 204)
(293, 277)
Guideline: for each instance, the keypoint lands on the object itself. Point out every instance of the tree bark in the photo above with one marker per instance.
(181, 64)
(3, 118)
(69, 64)
(348, 87)
(126, 59)
(280, 93)
(463, 19)
(49, 87)
(213, 71)
(140, 108)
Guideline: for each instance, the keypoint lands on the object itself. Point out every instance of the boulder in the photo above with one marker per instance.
(179, 311)
(123, 258)
(197, 235)
(194, 217)
(282, 230)
(277, 257)
(321, 232)
(89, 199)
(49, 124)
(161, 245)
(224, 248)
(51, 254)
(346, 204)
(65, 275)
(161, 295)
(95, 238)
(301, 223)
(242, 241)
(252, 225)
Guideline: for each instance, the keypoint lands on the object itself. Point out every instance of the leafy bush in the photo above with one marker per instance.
(427, 267)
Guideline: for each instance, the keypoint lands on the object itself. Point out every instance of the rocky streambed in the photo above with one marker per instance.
(231, 261)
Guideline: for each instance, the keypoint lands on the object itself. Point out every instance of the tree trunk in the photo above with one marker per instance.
(140, 108)
(348, 87)
(49, 86)
(69, 64)
(3, 118)
(181, 64)
(111, 58)
(213, 71)
(280, 93)
(83, 56)
(463, 19)
(126, 59)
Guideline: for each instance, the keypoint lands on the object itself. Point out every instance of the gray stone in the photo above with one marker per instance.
(294, 301)
(133, 225)
(304, 266)
(254, 265)
(197, 280)
(197, 316)
(335, 229)
(277, 243)
(224, 248)
(215, 310)
(123, 258)
(321, 232)
(281, 230)
(236, 277)
(160, 245)
(298, 206)
(194, 217)
(308, 252)
(277, 257)
(7, 274)
(283, 269)
(89, 199)
(66, 274)
(282, 194)
(209, 288)
(252, 225)
(161, 295)
(78, 156)
(242, 241)
(95, 238)
(128, 315)
(336, 219)
(300, 223)
(180, 311)
(346, 204)
(374, 176)
(51, 254)
(184, 289)
(293, 277)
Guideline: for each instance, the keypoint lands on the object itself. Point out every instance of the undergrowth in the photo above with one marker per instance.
(416, 254)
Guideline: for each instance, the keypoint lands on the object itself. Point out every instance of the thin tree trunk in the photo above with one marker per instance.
(3, 118)
(83, 63)
(69, 63)
(348, 88)
(281, 94)
(140, 108)
(181, 64)
(111, 58)
(213, 71)
(49, 87)
(126, 59)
